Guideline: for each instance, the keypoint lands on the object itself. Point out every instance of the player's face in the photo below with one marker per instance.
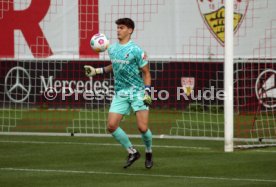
(123, 32)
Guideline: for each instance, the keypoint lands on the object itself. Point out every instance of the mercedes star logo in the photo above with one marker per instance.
(18, 84)
(265, 88)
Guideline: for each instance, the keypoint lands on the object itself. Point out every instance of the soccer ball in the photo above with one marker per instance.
(99, 42)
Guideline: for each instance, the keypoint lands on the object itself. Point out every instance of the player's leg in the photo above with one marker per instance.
(117, 132)
(142, 123)
(142, 116)
(118, 108)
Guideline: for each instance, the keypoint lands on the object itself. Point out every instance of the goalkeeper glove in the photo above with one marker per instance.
(147, 98)
(91, 71)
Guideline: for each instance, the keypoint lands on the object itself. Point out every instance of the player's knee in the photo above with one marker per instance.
(143, 129)
(111, 127)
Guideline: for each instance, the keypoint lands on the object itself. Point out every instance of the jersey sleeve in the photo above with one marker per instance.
(141, 58)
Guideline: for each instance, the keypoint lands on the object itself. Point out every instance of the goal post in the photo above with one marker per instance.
(229, 78)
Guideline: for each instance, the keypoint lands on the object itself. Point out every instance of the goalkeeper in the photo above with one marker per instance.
(131, 90)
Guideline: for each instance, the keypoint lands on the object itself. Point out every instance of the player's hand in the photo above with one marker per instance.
(91, 71)
(147, 98)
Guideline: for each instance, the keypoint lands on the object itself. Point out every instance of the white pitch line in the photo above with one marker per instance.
(137, 174)
(102, 144)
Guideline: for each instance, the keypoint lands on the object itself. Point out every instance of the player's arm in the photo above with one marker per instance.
(147, 81)
(90, 71)
(108, 69)
(146, 75)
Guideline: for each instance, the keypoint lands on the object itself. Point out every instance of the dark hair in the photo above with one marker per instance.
(125, 21)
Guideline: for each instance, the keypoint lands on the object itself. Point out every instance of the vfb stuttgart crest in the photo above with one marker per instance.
(213, 11)
(188, 84)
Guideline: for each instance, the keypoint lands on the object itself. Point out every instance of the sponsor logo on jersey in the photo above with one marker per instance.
(117, 61)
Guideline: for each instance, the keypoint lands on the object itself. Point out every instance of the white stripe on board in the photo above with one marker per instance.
(138, 174)
(263, 151)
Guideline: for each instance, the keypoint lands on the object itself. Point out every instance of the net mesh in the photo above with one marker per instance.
(187, 69)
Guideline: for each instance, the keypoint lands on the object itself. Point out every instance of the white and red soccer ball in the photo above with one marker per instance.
(99, 42)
